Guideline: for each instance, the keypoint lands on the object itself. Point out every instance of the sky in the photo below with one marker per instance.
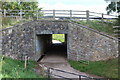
(91, 5)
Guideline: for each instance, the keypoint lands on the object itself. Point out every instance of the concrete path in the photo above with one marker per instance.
(59, 61)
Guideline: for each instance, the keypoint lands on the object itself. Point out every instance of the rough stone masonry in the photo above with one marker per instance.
(83, 43)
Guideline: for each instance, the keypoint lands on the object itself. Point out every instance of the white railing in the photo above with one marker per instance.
(61, 14)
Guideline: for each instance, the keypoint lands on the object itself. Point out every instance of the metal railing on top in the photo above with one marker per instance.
(60, 14)
(78, 76)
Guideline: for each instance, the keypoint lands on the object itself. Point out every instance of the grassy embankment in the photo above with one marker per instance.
(108, 68)
(10, 68)
(99, 26)
(8, 22)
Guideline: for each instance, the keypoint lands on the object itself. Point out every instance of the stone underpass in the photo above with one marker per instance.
(34, 38)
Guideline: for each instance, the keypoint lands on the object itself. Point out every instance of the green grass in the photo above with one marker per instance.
(8, 22)
(59, 37)
(99, 26)
(107, 68)
(15, 69)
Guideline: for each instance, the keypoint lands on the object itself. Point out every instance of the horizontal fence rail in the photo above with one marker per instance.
(60, 14)
(51, 73)
(51, 70)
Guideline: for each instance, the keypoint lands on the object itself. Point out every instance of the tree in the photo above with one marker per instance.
(114, 7)
(20, 5)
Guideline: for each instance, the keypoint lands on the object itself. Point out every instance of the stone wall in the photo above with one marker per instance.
(88, 44)
(82, 43)
(18, 41)
(51, 27)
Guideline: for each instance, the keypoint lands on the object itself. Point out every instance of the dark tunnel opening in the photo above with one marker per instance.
(46, 46)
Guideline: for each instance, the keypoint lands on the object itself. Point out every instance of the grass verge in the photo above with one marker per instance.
(15, 69)
(108, 68)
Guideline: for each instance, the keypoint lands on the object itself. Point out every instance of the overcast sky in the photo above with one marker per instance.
(92, 5)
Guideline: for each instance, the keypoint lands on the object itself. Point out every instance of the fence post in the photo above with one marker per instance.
(25, 62)
(37, 15)
(53, 14)
(87, 15)
(21, 14)
(102, 17)
(70, 14)
(1, 26)
(79, 77)
(48, 73)
(4, 12)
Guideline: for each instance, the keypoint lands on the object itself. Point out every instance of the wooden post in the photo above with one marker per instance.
(25, 62)
(70, 14)
(29, 17)
(21, 14)
(53, 14)
(37, 14)
(43, 70)
(87, 15)
(102, 17)
(79, 77)
(1, 25)
(4, 12)
(48, 73)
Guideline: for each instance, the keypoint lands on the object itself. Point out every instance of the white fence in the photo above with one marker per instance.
(60, 14)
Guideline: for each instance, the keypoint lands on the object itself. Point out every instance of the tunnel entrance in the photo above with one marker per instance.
(51, 44)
